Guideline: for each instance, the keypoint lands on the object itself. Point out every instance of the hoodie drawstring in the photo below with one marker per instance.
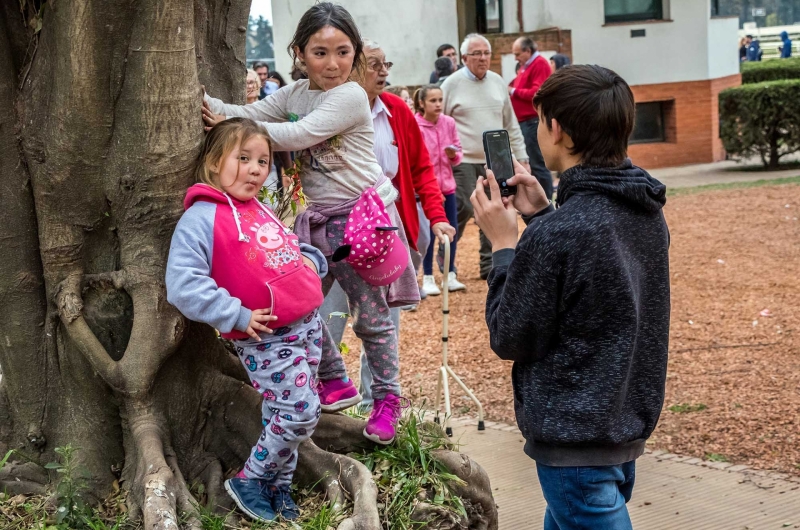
(242, 237)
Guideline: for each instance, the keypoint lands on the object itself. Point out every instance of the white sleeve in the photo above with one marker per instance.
(270, 109)
(344, 108)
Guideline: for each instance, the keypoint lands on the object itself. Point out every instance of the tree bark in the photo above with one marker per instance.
(99, 130)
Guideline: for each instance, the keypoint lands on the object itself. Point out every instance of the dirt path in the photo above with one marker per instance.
(734, 253)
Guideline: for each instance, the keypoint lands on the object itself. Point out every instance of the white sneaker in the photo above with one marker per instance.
(453, 284)
(429, 286)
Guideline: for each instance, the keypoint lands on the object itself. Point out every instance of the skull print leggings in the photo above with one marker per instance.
(283, 368)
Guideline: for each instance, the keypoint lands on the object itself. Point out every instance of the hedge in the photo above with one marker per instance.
(761, 119)
(772, 70)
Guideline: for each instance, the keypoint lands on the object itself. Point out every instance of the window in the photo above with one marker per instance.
(649, 125)
(489, 15)
(715, 8)
(633, 10)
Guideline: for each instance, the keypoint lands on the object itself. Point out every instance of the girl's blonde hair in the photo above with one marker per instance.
(220, 141)
(419, 97)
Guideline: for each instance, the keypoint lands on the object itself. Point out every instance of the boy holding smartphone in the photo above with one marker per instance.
(581, 302)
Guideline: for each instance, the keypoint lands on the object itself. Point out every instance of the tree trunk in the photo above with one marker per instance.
(99, 130)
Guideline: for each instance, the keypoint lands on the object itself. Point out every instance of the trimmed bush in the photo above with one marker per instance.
(761, 119)
(772, 70)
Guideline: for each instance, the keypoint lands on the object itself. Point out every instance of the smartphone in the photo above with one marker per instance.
(498, 158)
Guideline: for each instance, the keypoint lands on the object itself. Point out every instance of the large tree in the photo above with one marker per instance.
(99, 128)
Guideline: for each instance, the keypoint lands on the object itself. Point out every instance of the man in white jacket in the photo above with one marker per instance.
(478, 101)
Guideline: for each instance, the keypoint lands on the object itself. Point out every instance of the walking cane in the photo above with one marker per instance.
(445, 370)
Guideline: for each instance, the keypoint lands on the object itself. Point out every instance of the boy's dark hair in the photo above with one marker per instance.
(595, 108)
(327, 14)
(443, 48)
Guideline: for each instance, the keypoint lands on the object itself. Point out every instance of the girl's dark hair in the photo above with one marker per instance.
(319, 16)
(595, 107)
(420, 94)
(279, 78)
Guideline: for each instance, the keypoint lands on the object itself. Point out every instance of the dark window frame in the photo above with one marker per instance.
(656, 14)
(662, 138)
(482, 23)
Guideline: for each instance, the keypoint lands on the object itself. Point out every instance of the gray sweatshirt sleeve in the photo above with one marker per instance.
(269, 109)
(189, 286)
(315, 255)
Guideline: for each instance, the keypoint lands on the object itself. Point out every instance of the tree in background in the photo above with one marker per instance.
(259, 40)
(778, 12)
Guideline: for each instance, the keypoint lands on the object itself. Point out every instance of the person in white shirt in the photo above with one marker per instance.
(477, 99)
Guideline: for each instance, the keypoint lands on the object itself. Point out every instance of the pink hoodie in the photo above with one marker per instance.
(437, 136)
(257, 259)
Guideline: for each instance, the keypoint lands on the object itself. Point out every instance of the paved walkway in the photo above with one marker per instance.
(671, 492)
(718, 173)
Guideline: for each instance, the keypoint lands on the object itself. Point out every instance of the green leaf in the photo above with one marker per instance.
(52, 465)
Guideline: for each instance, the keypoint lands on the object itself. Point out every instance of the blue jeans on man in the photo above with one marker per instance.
(587, 498)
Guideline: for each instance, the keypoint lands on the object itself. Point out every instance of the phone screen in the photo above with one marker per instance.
(498, 155)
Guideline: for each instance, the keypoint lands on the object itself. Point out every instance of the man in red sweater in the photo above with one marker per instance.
(534, 70)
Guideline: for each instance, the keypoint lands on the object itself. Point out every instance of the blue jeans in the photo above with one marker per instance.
(451, 211)
(587, 498)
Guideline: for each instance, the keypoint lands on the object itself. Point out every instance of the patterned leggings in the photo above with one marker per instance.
(283, 368)
(372, 323)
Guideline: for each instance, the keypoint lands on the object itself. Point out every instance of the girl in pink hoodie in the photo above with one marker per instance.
(235, 266)
(439, 132)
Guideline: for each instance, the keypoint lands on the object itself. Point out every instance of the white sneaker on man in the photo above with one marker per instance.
(453, 284)
(429, 286)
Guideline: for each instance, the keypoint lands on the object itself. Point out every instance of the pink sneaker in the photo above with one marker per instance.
(383, 420)
(338, 394)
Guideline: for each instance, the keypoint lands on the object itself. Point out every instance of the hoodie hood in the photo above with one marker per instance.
(784, 36)
(206, 193)
(203, 193)
(626, 182)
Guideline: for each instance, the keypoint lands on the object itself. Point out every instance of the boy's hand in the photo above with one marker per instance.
(496, 218)
(310, 263)
(530, 197)
(258, 319)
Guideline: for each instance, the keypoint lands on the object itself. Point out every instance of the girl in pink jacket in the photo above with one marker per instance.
(439, 132)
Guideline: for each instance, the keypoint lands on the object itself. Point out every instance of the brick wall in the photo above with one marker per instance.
(552, 39)
(691, 122)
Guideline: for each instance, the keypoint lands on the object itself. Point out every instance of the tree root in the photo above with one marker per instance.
(340, 475)
(475, 491)
(23, 478)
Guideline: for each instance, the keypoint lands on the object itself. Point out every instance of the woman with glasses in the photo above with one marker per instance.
(403, 156)
(252, 86)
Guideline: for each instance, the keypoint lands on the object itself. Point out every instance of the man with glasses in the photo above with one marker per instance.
(402, 155)
(478, 101)
(534, 70)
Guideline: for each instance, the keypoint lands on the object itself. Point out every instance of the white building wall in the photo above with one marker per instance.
(676, 51)
(409, 31)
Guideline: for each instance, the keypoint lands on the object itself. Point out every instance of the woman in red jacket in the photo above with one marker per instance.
(402, 154)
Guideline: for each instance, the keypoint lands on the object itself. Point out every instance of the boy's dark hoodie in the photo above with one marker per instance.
(582, 307)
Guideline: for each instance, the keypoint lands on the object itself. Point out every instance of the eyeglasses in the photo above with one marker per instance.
(378, 66)
(478, 55)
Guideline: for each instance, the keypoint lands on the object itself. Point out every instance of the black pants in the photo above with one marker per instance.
(466, 175)
(538, 169)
